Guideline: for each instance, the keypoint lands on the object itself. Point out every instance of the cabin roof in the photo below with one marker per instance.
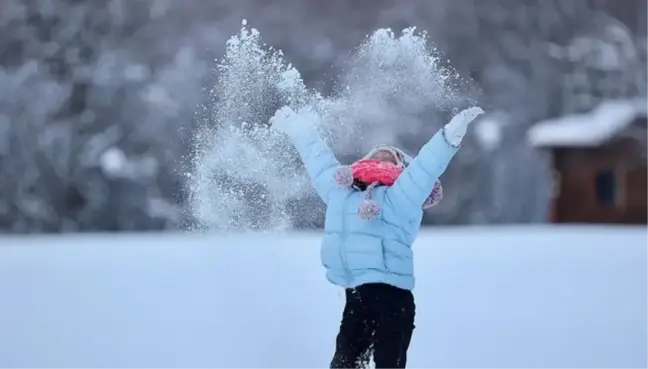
(591, 129)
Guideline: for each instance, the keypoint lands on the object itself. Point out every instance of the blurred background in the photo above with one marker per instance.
(98, 104)
(104, 104)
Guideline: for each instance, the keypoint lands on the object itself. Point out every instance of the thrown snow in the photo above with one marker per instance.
(486, 297)
(387, 88)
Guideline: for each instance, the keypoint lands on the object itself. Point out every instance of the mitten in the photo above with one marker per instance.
(455, 131)
(293, 122)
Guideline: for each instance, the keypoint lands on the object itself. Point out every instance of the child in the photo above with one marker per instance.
(374, 211)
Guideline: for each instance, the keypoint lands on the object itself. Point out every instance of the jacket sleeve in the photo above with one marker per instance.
(319, 160)
(416, 182)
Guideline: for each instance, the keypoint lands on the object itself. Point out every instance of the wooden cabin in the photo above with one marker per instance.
(599, 164)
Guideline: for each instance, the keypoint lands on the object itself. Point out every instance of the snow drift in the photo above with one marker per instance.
(486, 297)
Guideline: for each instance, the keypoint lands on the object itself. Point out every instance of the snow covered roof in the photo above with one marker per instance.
(590, 129)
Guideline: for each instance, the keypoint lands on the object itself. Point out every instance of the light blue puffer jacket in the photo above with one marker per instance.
(356, 251)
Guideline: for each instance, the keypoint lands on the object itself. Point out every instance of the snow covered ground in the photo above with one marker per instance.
(486, 297)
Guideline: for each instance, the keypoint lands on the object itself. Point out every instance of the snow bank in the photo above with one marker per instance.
(487, 297)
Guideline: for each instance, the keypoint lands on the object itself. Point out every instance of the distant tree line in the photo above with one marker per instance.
(99, 99)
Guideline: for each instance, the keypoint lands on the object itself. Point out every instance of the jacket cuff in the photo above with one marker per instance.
(453, 140)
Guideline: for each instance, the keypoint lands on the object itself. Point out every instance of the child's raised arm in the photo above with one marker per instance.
(319, 160)
(415, 184)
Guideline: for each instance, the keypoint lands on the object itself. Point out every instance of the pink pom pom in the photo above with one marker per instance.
(435, 197)
(369, 210)
(344, 177)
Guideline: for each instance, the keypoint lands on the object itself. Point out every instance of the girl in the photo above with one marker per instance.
(374, 211)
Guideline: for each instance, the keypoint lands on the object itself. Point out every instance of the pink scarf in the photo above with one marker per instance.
(372, 173)
(375, 171)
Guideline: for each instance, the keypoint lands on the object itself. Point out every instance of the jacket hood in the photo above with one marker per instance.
(402, 159)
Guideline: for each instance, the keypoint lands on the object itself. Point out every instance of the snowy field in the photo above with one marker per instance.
(486, 297)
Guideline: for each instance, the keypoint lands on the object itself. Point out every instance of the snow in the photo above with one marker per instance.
(608, 47)
(590, 129)
(113, 161)
(486, 297)
(365, 107)
(488, 131)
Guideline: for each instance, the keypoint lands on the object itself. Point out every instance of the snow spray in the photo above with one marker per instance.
(244, 175)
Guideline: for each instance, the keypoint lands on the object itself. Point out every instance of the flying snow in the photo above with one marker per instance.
(244, 174)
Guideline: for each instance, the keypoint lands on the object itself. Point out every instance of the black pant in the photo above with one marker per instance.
(378, 319)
